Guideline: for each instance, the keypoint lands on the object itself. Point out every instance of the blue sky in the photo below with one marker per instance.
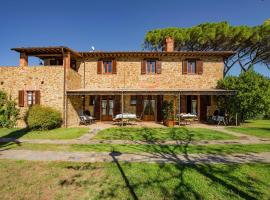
(112, 25)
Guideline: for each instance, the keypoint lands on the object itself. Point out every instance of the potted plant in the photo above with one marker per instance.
(167, 110)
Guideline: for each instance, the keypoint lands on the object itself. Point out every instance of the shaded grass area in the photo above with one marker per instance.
(137, 148)
(59, 133)
(162, 134)
(259, 128)
(62, 180)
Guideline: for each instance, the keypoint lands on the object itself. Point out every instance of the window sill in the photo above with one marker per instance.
(192, 74)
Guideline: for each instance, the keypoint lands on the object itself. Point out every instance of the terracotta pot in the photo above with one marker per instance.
(149, 118)
(169, 123)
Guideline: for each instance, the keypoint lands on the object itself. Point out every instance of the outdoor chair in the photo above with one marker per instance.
(86, 118)
(218, 118)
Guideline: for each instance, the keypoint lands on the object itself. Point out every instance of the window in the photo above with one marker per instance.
(30, 98)
(191, 67)
(151, 67)
(107, 67)
(92, 100)
(133, 100)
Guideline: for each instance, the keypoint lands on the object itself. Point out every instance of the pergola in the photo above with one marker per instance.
(44, 52)
(172, 92)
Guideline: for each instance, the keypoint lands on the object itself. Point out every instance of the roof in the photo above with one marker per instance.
(57, 50)
(147, 91)
(224, 54)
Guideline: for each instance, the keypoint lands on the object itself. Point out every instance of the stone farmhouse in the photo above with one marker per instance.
(109, 83)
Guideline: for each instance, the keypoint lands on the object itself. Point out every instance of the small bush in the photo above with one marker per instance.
(43, 118)
(8, 111)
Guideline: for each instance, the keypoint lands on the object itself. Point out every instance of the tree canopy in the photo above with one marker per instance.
(253, 94)
(251, 44)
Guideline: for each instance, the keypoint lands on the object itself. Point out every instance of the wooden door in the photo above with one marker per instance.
(97, 107)
(139, 105)
(159, 108)
(107, 107)
(117, 105)
(183, 104)
(203, 107)
(149, 108)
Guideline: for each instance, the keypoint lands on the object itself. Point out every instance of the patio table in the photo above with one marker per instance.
(126, 117)
(185, 117)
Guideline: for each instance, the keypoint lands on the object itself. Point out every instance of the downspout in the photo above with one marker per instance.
(83, 72)
(179, 104)
(84, 96)
(64, 99)
(122, 97)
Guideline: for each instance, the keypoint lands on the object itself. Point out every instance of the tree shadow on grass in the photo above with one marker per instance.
(222, 177)
(12, 138)
(207, 170)
(128, 185)
(144, 181)
(16, 134)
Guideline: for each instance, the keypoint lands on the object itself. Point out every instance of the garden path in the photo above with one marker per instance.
(145, 157)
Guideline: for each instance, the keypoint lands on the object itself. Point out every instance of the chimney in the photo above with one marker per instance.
(169, 46)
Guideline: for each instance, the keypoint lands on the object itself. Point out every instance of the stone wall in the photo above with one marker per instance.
(47, 79)
(129, 75)
(74, 79)
(74, 103)
(127, 107)
(74, 108)
(50, 81)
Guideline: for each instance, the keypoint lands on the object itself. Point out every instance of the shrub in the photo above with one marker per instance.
(8, 111)
(252, 98)
(43, 118)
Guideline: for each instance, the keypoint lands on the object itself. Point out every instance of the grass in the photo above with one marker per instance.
(162, 134)
(259, 128)
(62, 180)
(59, 133)
(128, 148)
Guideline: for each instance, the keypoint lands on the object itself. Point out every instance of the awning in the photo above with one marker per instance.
(125, 91)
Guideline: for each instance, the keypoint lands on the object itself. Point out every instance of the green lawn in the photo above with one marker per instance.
(162, 134)
(59, 133)
(128, 148)
(259, 128)
(62, 180)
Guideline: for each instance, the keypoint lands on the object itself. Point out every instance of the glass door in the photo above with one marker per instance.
(149, 106)
(104, 107)
(107, 105)
(110, 108)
